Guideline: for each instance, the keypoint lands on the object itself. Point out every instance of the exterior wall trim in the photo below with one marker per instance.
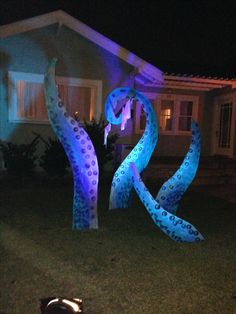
(13, 78)
(61, 18)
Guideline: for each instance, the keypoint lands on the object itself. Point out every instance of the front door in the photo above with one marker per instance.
(224, 127)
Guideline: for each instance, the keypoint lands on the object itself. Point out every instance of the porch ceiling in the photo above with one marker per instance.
(178, 81)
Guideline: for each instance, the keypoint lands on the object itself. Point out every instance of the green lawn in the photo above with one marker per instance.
(127, 266)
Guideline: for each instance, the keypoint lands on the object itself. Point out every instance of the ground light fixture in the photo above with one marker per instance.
(64, 306)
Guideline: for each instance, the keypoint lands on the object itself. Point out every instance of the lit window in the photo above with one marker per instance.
(77, 100)
(166, 115)
(175, 113)
(27, 102)
(30, 101)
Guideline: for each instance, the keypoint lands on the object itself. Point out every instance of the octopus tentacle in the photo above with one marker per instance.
(173, 189)
(128, 174)
(140, 155)
(175, 227)
(80, 152)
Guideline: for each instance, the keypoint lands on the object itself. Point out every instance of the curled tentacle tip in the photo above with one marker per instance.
(53, 61)
(193, 123)
(201, 238)
(196, 238)
(188, 236)
(51, 66)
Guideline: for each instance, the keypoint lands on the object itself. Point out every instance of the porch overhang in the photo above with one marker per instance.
(188, 82)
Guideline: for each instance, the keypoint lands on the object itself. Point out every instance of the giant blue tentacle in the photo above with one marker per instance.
(175, 227)
(80, 152)
(173, 189)
(140, 155)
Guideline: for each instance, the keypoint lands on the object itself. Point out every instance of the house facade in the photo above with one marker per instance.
(89, 67)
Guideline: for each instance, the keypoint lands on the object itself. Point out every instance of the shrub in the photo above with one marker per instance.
(54, 160)
(19, 159)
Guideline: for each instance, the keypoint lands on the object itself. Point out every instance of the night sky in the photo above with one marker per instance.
(181, 36)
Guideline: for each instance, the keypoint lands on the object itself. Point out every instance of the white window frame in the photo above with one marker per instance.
(152, 97)
(176, 98)
(14, 77)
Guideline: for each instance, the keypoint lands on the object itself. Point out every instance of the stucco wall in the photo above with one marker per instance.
(78, 57)
(29, 52)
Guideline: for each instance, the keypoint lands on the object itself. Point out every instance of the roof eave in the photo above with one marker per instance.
(192, 83)
(152, 73)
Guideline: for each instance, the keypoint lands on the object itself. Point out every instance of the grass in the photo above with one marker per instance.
(127, 266)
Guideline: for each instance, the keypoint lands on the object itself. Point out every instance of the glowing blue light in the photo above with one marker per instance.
(83, 160)
(175, 227)
(80, 152)
(141, 154)
(173, 189)
(162, 210)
